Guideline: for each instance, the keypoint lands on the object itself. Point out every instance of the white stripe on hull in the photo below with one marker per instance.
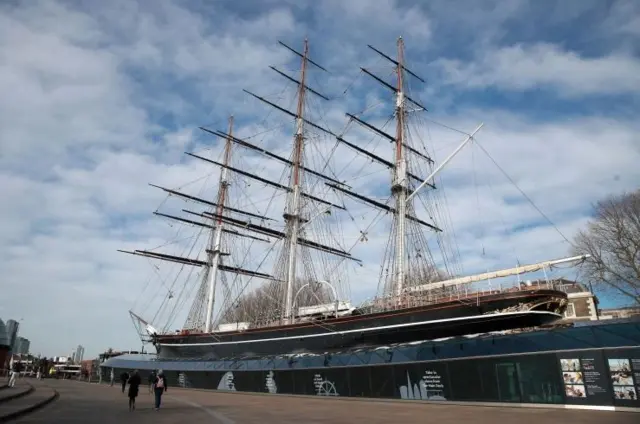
(363, 330)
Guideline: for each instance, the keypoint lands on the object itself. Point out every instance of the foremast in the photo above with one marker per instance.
(404, 193)
(405, 221)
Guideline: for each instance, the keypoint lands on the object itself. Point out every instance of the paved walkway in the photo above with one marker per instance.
(91, 403)
(83, 403)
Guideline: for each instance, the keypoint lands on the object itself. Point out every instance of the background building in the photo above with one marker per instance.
(21, 345)
(79, 354)
(61, 359)
(625, 312)
(582, 303)
(5, 345)
(12, 332)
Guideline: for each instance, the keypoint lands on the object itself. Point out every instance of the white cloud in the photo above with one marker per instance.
(541, 65)
(98, 103)
(53, 85)
(624, 18)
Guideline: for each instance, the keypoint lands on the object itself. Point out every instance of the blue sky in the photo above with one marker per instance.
(101, 98)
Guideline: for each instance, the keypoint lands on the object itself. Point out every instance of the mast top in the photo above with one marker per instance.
(303, 55)
(395, 62)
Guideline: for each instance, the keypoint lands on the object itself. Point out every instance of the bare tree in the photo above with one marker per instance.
(264, 303)
(612, 238)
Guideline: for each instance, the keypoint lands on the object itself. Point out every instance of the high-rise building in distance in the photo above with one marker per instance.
(4, 343)
(12, 333)
(79, 354)
(22, 345)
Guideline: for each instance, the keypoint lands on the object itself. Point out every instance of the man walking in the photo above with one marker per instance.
(152, 379)
(124, 377)
(14, 371)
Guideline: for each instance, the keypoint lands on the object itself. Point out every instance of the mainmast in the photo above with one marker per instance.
(399, 185)
(292, 216)
(213, 253)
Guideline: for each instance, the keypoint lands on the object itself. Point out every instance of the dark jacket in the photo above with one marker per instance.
(134, 384)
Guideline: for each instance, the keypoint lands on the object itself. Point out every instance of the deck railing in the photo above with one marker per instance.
(465, 293)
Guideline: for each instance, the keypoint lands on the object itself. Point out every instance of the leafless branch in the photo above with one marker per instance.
(612, 238)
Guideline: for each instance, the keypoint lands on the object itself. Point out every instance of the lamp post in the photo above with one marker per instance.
(595, 301)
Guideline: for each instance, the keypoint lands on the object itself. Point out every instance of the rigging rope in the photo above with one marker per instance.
(475, 184)
(524, 194)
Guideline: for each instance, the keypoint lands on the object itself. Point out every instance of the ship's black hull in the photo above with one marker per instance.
(445, 319)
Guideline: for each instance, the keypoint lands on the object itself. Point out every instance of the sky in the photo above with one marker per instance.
(101, 98)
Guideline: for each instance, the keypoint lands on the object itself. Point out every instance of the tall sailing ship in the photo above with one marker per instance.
(268, 287)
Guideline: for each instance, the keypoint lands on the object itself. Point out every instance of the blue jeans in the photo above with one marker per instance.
(158, 393)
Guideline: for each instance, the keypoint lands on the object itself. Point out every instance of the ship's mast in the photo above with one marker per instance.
(399, 185)
(401, 175)
(213, 253)
(242, 226)
(292, 217)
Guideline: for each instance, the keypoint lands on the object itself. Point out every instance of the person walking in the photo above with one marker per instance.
(152, 379)
(134, 385)
(112, 376)
(159, 387)
(13, 372)
(124, 377)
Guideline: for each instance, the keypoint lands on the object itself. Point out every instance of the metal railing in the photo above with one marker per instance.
(463, 293)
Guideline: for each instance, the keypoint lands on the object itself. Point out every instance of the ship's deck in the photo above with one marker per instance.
(406, 303)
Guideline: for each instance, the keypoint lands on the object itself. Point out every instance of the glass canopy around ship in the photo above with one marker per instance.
(586, 335)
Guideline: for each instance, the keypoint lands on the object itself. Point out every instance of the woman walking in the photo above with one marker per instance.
(159, 387)
(134, 385)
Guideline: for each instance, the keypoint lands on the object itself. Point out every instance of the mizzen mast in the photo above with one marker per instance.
(219, 223)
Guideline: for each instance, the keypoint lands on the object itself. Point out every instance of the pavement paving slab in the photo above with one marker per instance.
(101, 404)
(28, 399)
(17, 391)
